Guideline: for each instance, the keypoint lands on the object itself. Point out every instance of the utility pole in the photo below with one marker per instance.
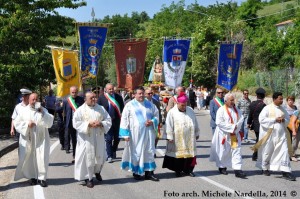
(93, 15)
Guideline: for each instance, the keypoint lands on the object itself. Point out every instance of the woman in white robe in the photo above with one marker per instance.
(226, 141)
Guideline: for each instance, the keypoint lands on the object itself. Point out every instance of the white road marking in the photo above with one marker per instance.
(219, 185)
(38, 191)
(162, 152)
(54, 145)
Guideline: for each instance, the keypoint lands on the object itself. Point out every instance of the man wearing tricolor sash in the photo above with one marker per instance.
(214, 105)
(70, 104)
(274, 143)
(91, 121)
(226, 142)
(113, 104)
(139, 128)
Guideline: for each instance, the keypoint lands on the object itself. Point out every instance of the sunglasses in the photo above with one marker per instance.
(149, 93)
(219, 92)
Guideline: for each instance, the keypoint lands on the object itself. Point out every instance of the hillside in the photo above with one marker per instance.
(270, 9)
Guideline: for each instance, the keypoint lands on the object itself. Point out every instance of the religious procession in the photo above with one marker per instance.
(152, 118)
(93, 124)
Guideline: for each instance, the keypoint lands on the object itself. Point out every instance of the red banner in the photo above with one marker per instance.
(130, 62)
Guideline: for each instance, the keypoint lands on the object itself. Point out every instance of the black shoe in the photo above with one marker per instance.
(137, 177)
(192, 174)
(223, 171)
(68, 151)
(288, 176)
(151, 177)
(98, 176)
(114, 155)
(89, 183)
(239, 174)
(266, 172)
(62, 148)
(178, 174)
(33, 181)
(154, 155)
(43, 183)
(254, 156)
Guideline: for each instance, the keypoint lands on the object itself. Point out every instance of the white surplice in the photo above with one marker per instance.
(34, 143)
(138, 154)
(223, 153)
(182, 128)
(90, 149)
(273, 154)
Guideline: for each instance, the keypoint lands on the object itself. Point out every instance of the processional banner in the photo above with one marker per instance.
(130, 62)
(91, 38)
(229, 64)
(66, 69)
(175, 58)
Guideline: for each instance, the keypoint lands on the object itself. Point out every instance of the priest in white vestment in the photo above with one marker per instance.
(182, 132)
(91, 122)
(226, 142)
(32, 123)
(138, 127)
(274, 140)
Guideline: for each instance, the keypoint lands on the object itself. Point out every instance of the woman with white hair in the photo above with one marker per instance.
(226, 142)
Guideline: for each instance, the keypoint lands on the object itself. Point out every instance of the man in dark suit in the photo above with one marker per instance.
(192, 97)
(113, 104)
(255, 108)
(214, 105)
(70, 105)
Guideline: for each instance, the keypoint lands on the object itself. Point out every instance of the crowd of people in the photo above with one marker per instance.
(94, 124)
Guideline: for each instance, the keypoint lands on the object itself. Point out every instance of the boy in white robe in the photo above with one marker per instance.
(91, 122)
(273, 153)
(226, 141)
(138, 128)
(34, 143)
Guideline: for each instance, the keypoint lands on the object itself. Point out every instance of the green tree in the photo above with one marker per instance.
(26, 28)
(248, 10)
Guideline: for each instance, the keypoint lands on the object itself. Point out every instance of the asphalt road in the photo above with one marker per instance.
(116, 183)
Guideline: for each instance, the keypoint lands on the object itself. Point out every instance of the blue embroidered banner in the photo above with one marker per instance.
(175, 58)
(91, 39)
(229, 64)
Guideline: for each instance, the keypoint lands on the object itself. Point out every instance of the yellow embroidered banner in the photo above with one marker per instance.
(66, 69)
